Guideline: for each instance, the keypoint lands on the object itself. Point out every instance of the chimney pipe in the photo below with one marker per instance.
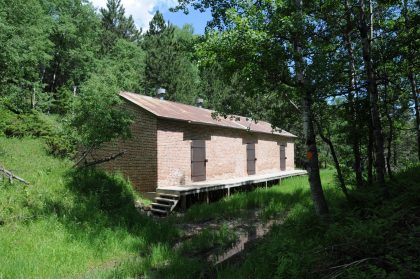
(199, 102)
(160, 92)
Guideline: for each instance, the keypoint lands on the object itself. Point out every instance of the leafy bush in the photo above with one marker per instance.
(60, 144)
(27, 124)
(37, 124)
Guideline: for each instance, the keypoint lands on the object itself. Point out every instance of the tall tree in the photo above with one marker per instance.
(25, 48)
(117, 25)
(366, 34)
(246, 48)
(306, 90)
(170, 60)
(409, 36)
(352, 95)
(157, 25)
(75, 35)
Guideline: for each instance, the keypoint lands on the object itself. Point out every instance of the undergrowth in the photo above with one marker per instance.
(83, 224)
(67, 222)
(39, 125)
(374, 238)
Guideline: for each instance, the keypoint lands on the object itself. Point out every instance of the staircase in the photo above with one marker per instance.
(164, 203)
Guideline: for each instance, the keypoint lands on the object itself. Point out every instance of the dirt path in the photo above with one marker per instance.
(247, 230)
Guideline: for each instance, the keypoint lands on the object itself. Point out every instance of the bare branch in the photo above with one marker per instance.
(84, 155)
(106, 159)
(12, 176)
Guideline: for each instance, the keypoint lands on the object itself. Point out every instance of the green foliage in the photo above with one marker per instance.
(29, 124)
(364, 241)
(169, 61)
(67, 223)
(75, 36)
(157, 25)
(23, 27)
(97, 117)
(36, 124)
(117, 25)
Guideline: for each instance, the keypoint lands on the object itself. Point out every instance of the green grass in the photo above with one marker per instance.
(66, 222)
(373, 238)
(272, 201)
(83, 224)
(209, 239)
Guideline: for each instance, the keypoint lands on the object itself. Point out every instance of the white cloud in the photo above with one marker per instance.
(141, 10)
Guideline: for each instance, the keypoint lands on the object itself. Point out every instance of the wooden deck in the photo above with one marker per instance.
(212, 185)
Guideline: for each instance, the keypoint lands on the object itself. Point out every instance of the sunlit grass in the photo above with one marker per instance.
(58, 227)
(83, 224)
(273, 200)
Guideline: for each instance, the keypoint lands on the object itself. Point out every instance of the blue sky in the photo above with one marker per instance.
(143, 11)
(197, 19)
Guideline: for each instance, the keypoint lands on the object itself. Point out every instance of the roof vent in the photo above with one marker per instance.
(199, 102)
(160, 92)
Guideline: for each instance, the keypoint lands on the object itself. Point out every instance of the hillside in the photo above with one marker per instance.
(57, 227)
(83, 224)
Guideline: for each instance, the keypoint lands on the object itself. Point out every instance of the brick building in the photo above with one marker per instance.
(174, 144)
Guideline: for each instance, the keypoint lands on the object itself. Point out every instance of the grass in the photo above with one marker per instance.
(66, 223)
(272, 201)
(374, 238)
(83, 224)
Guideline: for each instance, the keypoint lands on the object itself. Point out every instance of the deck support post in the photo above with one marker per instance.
(184, 203)
(207, 197)
(266, 184)
(228, 191)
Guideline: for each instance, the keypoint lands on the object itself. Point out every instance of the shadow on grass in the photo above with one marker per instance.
(302, 246)
(101, 212)
(270, 201)
(376, 238)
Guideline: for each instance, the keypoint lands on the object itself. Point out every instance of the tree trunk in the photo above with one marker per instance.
(391, 128)
(389, 151)
(33, 98)
(370, 153)
(352, 106)
(412, 79)
(336, 162)
(312, 166)
(373, 99)
(415, 95)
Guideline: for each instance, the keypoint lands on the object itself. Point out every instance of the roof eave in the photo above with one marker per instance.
(221, 126)
(198, 122)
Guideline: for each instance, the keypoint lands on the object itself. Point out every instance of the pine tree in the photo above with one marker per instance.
(157, 25)
(117, 25)
(169, 61)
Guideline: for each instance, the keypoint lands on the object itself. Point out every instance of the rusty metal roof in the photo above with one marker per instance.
(196, 115)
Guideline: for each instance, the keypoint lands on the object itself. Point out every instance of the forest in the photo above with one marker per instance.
(342, 75)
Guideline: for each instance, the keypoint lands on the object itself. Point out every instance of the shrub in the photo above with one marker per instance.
(37, 124)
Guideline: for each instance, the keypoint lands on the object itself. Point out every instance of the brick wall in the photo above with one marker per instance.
(159, 152)
(139, 163)
(225, 151)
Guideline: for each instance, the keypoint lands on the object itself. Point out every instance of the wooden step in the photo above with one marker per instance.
(160, 211)
(154, 204)
(165, 200)
(168, 195)
(164, 203)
